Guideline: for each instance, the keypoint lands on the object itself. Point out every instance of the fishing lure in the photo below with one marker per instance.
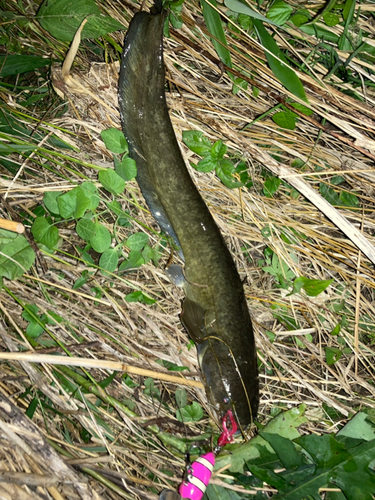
(200, 471)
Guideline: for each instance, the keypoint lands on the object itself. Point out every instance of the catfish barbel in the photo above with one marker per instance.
(214, 311)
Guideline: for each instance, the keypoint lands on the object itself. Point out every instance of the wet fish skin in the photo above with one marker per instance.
(214, 311)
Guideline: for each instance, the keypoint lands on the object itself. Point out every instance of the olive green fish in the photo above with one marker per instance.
(214, 311)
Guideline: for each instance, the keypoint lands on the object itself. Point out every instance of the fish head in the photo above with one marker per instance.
(228, 380)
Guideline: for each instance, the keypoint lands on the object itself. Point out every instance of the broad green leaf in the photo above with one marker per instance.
(109, 260)
(215, 492)
(207, 164)
(285, 119)
(224, 171)
(271, 185)
(215, 28)
(83, 202)
(67, 204)
(286, 75)
(279, 12)
(126, 169)
(190, 413)
(218, 150)
(86, 229)
(197, 142)
(137, 241)
(34, 329)
(181, 398)
(134, 260)
(44, 232)
(139, 296)
(331, 19)
(305, 110)
(333, 354)
(312, 287)
(329, 194)
(16, 255)
(101, 241)
(50, 201)
(239, 84)
(284, 448)
(299, 19)
(62, 18)
(91, 193)
(349, 199)
(241, 8)
(114, 140)
(20, 63)
(111, 181)
(80, 282)
(358, 427)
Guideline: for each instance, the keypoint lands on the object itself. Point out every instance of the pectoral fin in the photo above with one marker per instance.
(193, 319)
(176, 274)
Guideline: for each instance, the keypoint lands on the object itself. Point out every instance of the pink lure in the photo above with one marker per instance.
(198, 476)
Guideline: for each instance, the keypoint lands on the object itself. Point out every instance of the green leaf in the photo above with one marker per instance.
(111, 181)
(190, 413)
(207, 164)
(150, 389)
(305, 110)
(91, 193)
(286, 75)
(279, 12)
(139, 296)
(109, 260)
(16, 256)
(242, 8)
(137, 241)
(50, 201)
(271, 185)
(331, 19)
(215, 28)
(349, 199)
(83, 202)
(285, 119)
(218, 150)
(299, 19)
(62, 18)
(67, 204)
(312, 287)
(333, 354)
(102, 238)
(17, 64)
(44, 232)
(86, 229)
(80, 282)
(284, 448)
(127, 169)
(224, 171)
(181, 398)
(197, 142)
(329, 194)
(135, 260)
(34, 329)
(114, 140)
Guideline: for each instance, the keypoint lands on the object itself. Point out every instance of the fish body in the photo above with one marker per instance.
(214, 311)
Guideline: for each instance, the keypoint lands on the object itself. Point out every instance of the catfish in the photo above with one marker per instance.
(214, 311)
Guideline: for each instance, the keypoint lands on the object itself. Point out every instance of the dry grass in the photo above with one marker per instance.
(127, 455)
